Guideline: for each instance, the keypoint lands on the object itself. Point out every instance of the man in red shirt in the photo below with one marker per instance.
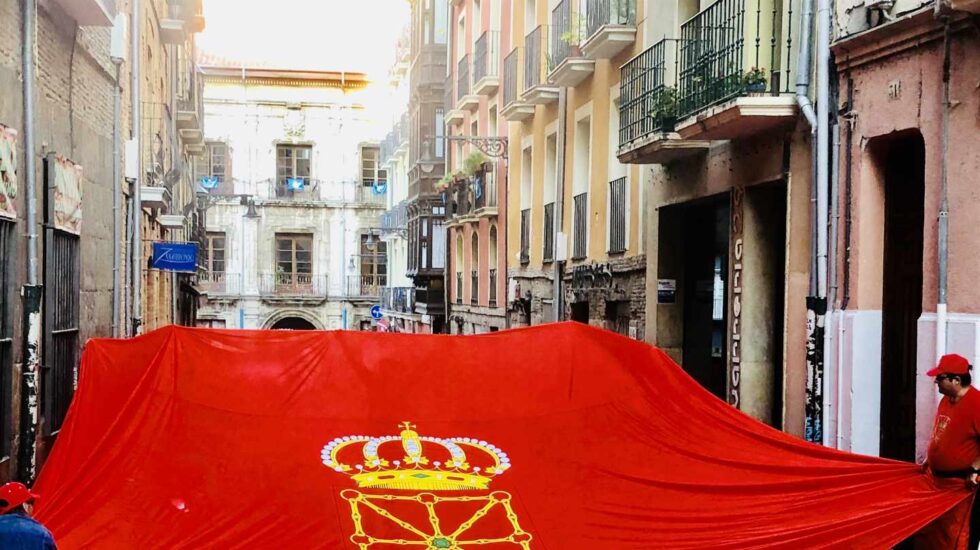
(954, 450)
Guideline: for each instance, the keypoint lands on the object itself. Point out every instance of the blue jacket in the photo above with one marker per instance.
(20, 532)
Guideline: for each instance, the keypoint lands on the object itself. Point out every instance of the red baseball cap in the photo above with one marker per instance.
(951, 364)
(14, 494)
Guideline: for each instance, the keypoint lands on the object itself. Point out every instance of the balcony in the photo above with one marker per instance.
(298, 287)
(306, 191)
(610, 28)
(549, 232)
(515, 109)
(459, 287)
(493, 288)
(366, 286)
(94, 13)
(567, 65)
(453, 115)
(486, 73)
(525, 236)
(184, 18)
(537, 90)
(218, 284)
(370, 195)
(464, 99)
(580, 219)
(617, 216)
(648, 109)
(474, 288)
(730, 73)
(398, 300)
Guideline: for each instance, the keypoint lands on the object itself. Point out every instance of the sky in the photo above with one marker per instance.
(340, 35)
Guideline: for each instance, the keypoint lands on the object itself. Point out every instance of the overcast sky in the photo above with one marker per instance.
(342, 35)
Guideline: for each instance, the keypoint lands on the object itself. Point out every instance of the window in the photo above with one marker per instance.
(442, 22)
(294, 259)
(474, 269)
(440, 133)
(61, 315)
(216, 163)
(6, 328)
(374, 258)
(581, 223)
(617, 216)
(371, 170)
(525, 235)
(292, 163)
(215, 253)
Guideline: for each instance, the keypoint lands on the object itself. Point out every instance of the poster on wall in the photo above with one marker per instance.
(67, 195)
(8, 172)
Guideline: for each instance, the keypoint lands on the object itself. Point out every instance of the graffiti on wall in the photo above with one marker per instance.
(67, 196)
(585, 277)
(8, 172)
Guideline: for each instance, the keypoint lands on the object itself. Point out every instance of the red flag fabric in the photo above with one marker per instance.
(555, 437)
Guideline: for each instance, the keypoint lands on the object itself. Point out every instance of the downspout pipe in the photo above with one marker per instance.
(116, 199)
(137, 216)
(823, 139)
(803, 66)
(32, 291)
(943, 245)
(557, 303)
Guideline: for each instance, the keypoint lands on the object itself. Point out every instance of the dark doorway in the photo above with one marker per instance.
(702, 228)
(618, 317)
(293, 323)
(580, 312)
(901, 159)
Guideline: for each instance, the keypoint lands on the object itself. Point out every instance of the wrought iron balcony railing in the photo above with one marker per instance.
(219, 283)
(459, 287)
(398, 299)
(617, 216)
(493, 288)
(366, 285)
(581, 221)
(298, 285)
(549, 232)
(463, 77)
(726, 49)
(567, 32)
(600, 13)
(648, 97)
(485, 55)
(535, 57)
(525, 236)
(474, 287)
(512, 82)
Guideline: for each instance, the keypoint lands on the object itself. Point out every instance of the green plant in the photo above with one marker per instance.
(754, 77)
(665, 106)
(576, 27)
(444, 182)
(474, 162)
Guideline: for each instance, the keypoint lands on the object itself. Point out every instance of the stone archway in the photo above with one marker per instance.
(293, 320)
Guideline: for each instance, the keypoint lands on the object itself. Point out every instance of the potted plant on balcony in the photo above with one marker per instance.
(475, 163)
(574, 35)
(664, 108)
(754, 81)
(443, 184)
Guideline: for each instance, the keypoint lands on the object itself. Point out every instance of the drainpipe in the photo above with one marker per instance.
(941, 318)
(116, 197)
(557, 303)
(137, 211)
(32, 291)
(803, 66)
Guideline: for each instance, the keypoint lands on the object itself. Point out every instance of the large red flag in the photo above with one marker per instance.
(556, 437)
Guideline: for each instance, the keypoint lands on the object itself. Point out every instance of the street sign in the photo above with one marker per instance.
(175, 257)
(376, 311)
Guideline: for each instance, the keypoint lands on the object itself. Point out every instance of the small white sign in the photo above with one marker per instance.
(666, 291)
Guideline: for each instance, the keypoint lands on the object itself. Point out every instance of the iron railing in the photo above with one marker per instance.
(617, 216)
(511, 83)
(485, 55)
(61, 326)
(448, 97)
(366, 285)
(463, 77)
(309, 192)
(600, 13)
(566, 32)
(461, 199)
(549, 232)
(719, 47)
(398, 299)
(535, 54)
(292, 284)
(218, 283)
(525, 236)
(6, 327)
(581, 221)
(459, 285)
(474, 287)
(370, 195)
(648, 100)
(493, 286)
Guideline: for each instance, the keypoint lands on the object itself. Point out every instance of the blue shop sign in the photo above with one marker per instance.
(175, 257)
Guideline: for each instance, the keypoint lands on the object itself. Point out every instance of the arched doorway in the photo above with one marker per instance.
(292, 323)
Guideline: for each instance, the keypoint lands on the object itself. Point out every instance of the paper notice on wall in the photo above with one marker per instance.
(67, 196)
(8, 172)
(666, 291)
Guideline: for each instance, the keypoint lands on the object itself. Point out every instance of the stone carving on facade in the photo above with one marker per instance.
(294, 124)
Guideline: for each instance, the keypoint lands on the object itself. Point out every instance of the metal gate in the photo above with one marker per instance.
(60, 351)
(6, 330)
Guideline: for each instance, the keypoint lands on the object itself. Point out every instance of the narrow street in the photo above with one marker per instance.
(718, 254)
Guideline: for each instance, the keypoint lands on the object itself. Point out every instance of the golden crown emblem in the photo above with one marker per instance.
(422, 463)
